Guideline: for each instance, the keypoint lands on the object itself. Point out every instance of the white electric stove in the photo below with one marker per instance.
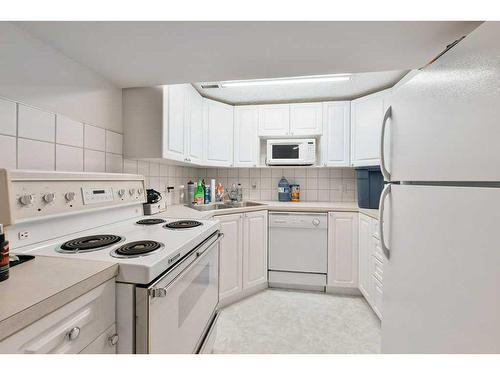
(167, 282)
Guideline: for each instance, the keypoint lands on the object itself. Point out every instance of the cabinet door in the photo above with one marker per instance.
(174, 98)
(365, 244)
(335, 140)
(194, 126)
(343, 249)
(230, 256)
(246, 140)
(274, 120)
(254, 249)
(218, 133)
(366, 121)
(306, 119)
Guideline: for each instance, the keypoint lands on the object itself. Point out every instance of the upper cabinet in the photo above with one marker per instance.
(305, 119)
(246, 140)
(274, 120)
(290, 120)
(218, 133)
(335, 140)
(367, 114)
(163, 122)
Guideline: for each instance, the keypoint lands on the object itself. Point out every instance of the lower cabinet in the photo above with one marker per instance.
(243, 255)
(342, 251)
(85, 325)
(371, 263)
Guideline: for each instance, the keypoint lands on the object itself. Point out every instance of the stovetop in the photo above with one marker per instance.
(124, 243)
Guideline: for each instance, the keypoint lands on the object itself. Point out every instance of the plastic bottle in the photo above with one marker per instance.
(283, 190)
(199, 195)
(239, 189)
(4, 256)
(207, 194)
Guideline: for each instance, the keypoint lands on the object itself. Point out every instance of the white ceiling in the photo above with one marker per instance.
(133, 54)
(360, 84)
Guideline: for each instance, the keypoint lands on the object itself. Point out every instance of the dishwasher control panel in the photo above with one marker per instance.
(298, 220)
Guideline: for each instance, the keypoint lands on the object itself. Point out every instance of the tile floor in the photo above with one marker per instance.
(282, 321)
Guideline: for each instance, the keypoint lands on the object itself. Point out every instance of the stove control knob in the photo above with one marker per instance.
(49, 197)
(131, 191)
(26, 199)
(315, 222)
(69, 196)
(140, 191)
(121, 192)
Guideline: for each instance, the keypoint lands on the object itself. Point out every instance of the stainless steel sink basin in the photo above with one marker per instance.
(225, 205)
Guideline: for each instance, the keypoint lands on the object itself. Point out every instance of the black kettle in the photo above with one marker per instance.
(153, 196)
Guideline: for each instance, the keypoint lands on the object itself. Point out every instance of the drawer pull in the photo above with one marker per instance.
(73, 333)
(113, 339)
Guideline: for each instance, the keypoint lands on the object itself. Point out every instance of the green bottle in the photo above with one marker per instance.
(199, 194)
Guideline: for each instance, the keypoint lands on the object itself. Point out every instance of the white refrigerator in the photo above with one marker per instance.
(440, 211)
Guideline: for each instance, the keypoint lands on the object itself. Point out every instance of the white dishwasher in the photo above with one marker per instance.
(298, 250)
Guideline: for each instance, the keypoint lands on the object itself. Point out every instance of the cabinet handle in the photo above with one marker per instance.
(385, 192)
(383, 169)
(73, 334)
(113, 339)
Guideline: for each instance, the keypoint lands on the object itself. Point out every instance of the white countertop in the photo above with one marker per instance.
(44, 284)
(181, 211)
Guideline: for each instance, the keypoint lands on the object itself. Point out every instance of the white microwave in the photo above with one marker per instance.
(291, 151)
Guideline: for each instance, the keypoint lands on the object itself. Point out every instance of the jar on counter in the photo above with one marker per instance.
(295, 193)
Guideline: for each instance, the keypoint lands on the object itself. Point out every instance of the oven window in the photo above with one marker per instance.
(191, 295)
(286, 151)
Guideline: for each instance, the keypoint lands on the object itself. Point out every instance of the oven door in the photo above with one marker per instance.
(174, 314)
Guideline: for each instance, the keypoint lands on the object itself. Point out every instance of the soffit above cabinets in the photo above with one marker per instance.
(140, 54)
(359, 85)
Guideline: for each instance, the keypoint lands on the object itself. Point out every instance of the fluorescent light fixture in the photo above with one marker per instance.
(287, 81)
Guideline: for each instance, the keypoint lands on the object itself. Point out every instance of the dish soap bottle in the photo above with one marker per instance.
(283, 190)
(199, 195)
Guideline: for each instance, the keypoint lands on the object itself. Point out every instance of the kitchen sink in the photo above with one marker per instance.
(225, 205)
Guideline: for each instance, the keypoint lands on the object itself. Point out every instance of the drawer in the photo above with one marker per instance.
(375, 232)
(68, 329)
(377, 250)
(378, 268)
(106, 343)
(377, 297)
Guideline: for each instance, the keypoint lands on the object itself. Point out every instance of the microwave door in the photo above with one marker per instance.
(284, 152)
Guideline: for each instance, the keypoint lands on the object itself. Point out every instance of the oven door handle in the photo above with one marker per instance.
(162, 291)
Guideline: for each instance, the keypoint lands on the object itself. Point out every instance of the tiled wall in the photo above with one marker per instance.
(316, 184)
(31, 138)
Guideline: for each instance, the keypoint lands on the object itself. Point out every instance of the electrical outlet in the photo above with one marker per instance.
(23, 235)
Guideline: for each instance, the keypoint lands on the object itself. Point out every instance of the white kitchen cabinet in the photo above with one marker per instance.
(218, 133)
(342, 250)
(336, 132)
(254, 249)
(365, 253)
(371, 263)
(246, 140)
(243, 255)
(306, 119)
(194, 126)
(274, 120)
(71, 328)
(163, 122)
(366, 122)
(231, 256)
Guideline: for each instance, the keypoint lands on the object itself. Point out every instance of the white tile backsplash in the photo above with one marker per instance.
(69, 158)
(8, 152)
(114, 142)
(35, 155)
(36, 124)
(130, 166)
(94, 161)
(8, 117)
(69, 132)
(114, 163)
(95, 138)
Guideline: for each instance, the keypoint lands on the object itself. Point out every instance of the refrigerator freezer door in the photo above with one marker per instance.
(445, 123)
(441, 283)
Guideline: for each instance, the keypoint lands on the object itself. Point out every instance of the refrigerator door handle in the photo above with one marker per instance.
(383, 169)
(385, 193)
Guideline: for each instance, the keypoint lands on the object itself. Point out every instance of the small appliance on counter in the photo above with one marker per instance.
(153, 204)
(370, 185)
